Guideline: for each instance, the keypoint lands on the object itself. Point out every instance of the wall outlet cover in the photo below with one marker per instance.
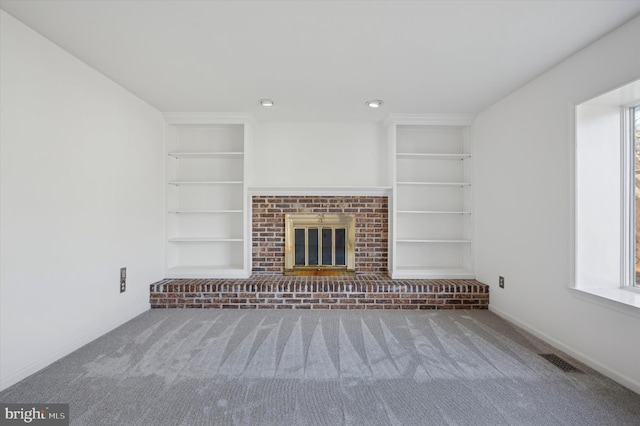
(123, 280)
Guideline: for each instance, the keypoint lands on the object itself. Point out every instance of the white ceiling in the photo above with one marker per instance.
(321, 60)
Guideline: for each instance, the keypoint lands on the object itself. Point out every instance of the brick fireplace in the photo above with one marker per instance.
(268, 228)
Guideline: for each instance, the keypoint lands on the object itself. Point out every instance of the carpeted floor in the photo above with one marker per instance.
(213, 367)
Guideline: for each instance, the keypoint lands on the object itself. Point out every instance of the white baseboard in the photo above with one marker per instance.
(51, 357)
(587, 360)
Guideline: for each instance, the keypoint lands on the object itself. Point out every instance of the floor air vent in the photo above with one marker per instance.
(560, 363)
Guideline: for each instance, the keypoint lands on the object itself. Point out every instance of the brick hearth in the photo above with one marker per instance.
(281, 292)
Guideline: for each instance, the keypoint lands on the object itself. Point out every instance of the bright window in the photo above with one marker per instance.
(634, 124)
(607, 187)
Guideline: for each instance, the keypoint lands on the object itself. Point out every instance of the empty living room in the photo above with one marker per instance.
(319, 212)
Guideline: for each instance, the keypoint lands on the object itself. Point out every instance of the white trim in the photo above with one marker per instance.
(431, 119)
(407, 155)
(203, 182)
(208, 118)
(321, 190)
(204, 240)
(468, 146)
(435, 183)
(573, 200)
(432, 241)
(625, 300)
(392, 130)
(247, 212)
(627, 196)
(194, 155)
(622, 379)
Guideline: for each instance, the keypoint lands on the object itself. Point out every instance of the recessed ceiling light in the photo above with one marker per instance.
(374, 103)
(266, 102)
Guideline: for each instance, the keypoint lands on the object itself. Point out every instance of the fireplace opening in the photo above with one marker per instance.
(319, 244)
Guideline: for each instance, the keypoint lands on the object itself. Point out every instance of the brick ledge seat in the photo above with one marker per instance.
(296, 292)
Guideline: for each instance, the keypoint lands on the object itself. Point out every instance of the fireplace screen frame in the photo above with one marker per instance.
(319, 221)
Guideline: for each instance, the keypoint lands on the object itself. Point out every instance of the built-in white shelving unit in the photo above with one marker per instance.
(207, 215)
(431, 221)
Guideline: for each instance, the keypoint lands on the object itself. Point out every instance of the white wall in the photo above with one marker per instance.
(319, 154)
(524, 208)
(81, 195)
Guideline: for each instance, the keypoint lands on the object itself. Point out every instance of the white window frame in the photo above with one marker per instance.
(628, 185)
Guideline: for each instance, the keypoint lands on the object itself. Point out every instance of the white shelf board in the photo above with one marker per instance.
(203, 240)
(418, 272)
(435, 183)
(203, 211)
(207, 271)
(321, 190)
(430, 212)
(201, 182)
(418, 156)
(432, 241)
(195, 155)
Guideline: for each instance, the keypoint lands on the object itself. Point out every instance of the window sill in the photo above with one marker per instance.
(626, 300)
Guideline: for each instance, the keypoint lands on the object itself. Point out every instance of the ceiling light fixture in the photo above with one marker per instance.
(374, 103)
(266, 102)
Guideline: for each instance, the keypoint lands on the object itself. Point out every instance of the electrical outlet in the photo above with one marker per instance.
(501, 282)
(123, 280)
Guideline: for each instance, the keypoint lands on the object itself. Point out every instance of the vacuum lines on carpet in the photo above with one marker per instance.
(201, 367)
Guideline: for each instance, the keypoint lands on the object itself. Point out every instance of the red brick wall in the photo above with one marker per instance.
(372, 228)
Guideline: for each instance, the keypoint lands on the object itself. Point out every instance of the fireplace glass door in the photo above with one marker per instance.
(324, 246)
(319, 242)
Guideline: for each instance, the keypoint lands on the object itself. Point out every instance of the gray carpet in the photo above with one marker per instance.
(212, 367)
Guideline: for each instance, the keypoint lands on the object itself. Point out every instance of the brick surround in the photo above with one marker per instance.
(372, 228)
(280, 292)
